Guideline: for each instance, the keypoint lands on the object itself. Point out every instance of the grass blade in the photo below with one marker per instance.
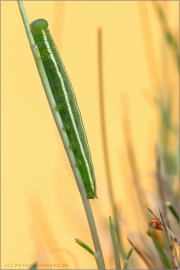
(173, 211)
(172, 251)
(165, 261)
(33, 267)
(128, 257)
(82, 244)
(96, 254)
(114, 242)
(104, 141)
(160, 182)
(168, 35)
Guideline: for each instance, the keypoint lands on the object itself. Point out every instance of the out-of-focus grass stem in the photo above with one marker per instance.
(173, 211)
(148, 43)
(104, 140)
(160, 183)
(142, 255)
(127, 258)
(114, 242)
(172, 251)
(163, 256)
(130, 151)
(168, 35)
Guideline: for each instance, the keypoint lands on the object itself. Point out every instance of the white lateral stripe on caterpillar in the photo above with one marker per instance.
(69, 108)
(77, 108)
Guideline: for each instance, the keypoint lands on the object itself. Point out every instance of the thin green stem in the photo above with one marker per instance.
(160, 183)
(171, 247)
(162, 254)
(63, 134)
(104, 141)
(173, 211)
(168, 35)
(127, 258)
(148, 43)
(33, 267)
(114, 242)
(98, 259)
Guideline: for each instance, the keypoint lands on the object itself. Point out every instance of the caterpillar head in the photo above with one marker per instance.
(39, 25)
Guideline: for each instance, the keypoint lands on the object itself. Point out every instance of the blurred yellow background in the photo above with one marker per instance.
(41, 206)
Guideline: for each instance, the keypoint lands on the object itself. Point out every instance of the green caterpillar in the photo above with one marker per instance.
(66, 103)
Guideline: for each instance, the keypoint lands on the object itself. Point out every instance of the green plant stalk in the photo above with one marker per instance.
(104, 142)
(162, 254)
(171, 247)
(33, 267)
(98, 259)
(63, 135)
(160, 183)
(173, 211)
(169, 37)
(128, 257)
(115, 245)
(148, 43)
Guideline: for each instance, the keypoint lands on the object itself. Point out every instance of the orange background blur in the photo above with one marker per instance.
(41, 206)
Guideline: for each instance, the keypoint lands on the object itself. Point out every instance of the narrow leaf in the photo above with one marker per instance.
(82, 244)
(173, 211)
(114, 242)
(128, 257)
(33, 267)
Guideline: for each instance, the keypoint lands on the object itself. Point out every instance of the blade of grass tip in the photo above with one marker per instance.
(63, 134)
(96, 254)
(104, 141)
(165, 260)
(173, 211)
(114, 242)
(128, 257)
(142, 255)
(171, 41)
(82, 244)
(33, 267)
(172, 252)
(170, 232)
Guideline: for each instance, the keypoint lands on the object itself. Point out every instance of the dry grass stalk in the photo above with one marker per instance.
(172, 251)
(142, 255)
